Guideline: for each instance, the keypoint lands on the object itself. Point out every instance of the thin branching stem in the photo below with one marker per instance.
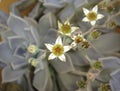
(89, 87)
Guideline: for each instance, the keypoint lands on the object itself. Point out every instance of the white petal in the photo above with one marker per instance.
(95, 9)
(85, 19)
(86, 11)
(93, 23)
(67, 48)
(59, 25)
(67, 22)
(73, 37)
(69, 34)
(51, 56)
(62, 58)
(74, 28)
(58, 40)
(99, 16)
(49, 46)
(73, 44)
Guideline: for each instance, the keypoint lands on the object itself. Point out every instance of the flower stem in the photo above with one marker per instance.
(87, 58)
(89, 88)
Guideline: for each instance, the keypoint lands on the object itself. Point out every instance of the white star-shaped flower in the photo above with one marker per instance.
(57, 50)
(92, 16)
(66, 28)
(77, 39)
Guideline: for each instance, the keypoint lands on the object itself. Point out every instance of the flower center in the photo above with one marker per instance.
(66, 29)
(0, 38)
(58, 50)
(92, 16)
(78, 39)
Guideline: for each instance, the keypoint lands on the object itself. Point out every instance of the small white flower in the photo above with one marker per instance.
(77, 39)
(57, 50)
(92, 16)
(32, 49)
(66, 28)
(33, 62)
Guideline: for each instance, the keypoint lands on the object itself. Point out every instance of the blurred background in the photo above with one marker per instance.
(5, 4)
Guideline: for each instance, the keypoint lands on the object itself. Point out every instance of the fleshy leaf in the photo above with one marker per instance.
(27, 81)
(19, 64)
(51, 36)
(24, 28)
(41, 79)
(6, 34)
(115, 84)
(69, 81)
(46, 22)
(77, 58)
(93, 54)
(21, 52)
(3, 17)
(17, 24)
(52, 3)
(33, 32)
(6, 54)
(67, 13)
(108, 61)
(110, 64)
(13, 74)
(14, 41)
(79, 3)
(63, 67)
(107, 43)
(116, 74)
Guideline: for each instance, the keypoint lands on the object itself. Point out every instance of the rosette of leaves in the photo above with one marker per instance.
(14, 48)
(14, 52)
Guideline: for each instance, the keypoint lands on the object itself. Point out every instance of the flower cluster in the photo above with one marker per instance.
(54, 49)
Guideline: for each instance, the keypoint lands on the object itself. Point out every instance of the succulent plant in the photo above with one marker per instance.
(52, 49)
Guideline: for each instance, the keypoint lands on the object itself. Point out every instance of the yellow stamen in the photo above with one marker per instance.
(78, 39)
(65, 29)
(92, 16)
(58, 50)
(1, 39)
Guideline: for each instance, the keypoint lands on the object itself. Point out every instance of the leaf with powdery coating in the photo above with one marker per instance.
(107, 43)
(13, 74)
(42, 79)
